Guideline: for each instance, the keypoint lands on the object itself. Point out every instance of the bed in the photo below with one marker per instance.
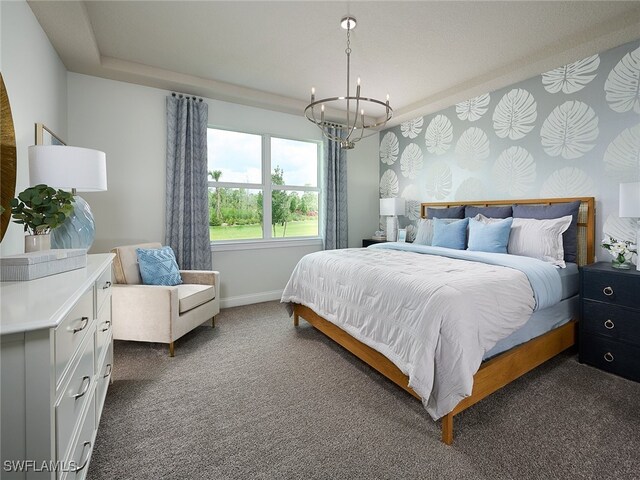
(516, 351)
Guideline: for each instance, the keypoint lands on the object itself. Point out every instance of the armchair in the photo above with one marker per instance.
(162, 314)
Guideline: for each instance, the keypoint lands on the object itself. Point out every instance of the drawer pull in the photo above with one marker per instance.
(608, 291)
(86, 382)
(108, 326)
(106, 285)
(108, 370)
(86, 460)
(609, 324)
(83, 325)
(608, 357)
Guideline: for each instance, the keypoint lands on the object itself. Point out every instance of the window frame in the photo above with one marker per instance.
(267, 187)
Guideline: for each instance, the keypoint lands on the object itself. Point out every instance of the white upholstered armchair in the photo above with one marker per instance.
(154, 313)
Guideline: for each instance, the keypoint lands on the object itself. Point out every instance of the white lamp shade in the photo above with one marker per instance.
(66, 168)
(391, 206)
(630, 200)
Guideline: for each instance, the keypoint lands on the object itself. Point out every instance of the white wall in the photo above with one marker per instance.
(362, 190)
(36, 83)
(128, 123)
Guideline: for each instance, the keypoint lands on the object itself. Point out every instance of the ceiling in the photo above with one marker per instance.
(426, 55)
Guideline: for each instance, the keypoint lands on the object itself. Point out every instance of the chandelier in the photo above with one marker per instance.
(353, 129)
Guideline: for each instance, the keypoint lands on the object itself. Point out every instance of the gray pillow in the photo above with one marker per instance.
(451, 212)
(544, 212)
(490, 212)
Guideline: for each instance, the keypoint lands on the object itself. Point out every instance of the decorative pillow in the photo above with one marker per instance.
(424, 235)
(451, 212)
(489, 237)
(541, 212)
(158, 266)
(541, 239)
(491, 212)
(450, 235)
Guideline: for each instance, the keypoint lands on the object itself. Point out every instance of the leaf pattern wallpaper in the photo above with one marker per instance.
(571, 131)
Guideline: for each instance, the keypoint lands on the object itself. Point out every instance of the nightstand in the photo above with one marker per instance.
(370, 241)
(610, 319)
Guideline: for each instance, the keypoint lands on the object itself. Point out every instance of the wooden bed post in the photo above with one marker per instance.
(447, 429)
(296, 319)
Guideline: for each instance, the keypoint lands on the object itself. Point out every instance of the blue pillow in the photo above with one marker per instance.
(158, 266)
(489, 212)
(450, 212)
(489, 237)
(556, 210)
(450, 235)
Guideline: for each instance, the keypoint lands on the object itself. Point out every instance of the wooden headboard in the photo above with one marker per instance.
(586, 218)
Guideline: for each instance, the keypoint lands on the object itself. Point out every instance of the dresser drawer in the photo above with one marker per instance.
(610, 355)
(71, 331)
(80, 453)
(103, 332)
(103, 288)
(74, 398)
(620, 323)
(611, 288)
(103, 379)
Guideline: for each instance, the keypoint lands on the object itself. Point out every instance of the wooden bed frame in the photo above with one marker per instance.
(503, 368)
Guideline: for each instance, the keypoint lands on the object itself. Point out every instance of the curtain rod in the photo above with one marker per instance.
(184, 95)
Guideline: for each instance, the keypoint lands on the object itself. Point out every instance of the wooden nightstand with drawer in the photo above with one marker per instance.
(610, 319)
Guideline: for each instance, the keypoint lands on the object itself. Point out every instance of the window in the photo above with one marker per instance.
(262, 187)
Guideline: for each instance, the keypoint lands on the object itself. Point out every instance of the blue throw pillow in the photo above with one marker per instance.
(450, 235)
(450, 212)
(158, 266)
(490, 212)
(489, 237)
(556, 210)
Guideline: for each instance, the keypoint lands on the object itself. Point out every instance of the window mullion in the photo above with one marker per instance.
(267, 231)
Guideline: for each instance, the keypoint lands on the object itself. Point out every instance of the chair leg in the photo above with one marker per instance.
(296, 320)
(171, 351)
(213, 322)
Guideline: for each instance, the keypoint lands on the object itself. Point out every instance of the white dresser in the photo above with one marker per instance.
(56, 356)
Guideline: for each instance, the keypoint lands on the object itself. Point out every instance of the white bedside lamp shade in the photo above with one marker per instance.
(76, 169)
(630, 207)
(392, 207)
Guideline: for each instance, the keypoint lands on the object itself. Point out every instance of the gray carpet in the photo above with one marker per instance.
(257, 398)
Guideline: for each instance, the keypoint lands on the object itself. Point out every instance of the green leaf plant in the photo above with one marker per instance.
(41, 209)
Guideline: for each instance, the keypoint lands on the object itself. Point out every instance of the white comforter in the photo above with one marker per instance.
(433, 317)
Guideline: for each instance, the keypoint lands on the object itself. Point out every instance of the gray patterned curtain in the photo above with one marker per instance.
(187, 201)
(335, 195)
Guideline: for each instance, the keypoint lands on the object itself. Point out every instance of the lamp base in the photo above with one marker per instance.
(392, 229)
(78, 230)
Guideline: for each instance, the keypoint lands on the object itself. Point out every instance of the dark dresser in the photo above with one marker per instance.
(610, 319)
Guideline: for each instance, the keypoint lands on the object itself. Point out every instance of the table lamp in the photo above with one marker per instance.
(76, 169)
(630, 207)
(391, 208)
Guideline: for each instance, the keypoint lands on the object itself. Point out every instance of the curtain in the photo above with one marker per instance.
(335, 194)
(187, 200)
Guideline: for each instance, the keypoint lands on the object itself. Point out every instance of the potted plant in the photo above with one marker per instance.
(40, 209)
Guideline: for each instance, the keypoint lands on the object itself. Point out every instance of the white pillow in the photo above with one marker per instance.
(541, 239)
(487, 220)
(424, 235)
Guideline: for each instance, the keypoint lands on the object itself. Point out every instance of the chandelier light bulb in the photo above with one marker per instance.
(358, 81)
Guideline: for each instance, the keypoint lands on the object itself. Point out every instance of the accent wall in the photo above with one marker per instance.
(569, 132)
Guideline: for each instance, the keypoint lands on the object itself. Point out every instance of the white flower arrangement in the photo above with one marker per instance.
(622, 251)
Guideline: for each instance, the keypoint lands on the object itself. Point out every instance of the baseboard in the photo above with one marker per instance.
(250, 299)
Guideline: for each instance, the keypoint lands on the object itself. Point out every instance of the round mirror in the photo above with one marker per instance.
(7, 160)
